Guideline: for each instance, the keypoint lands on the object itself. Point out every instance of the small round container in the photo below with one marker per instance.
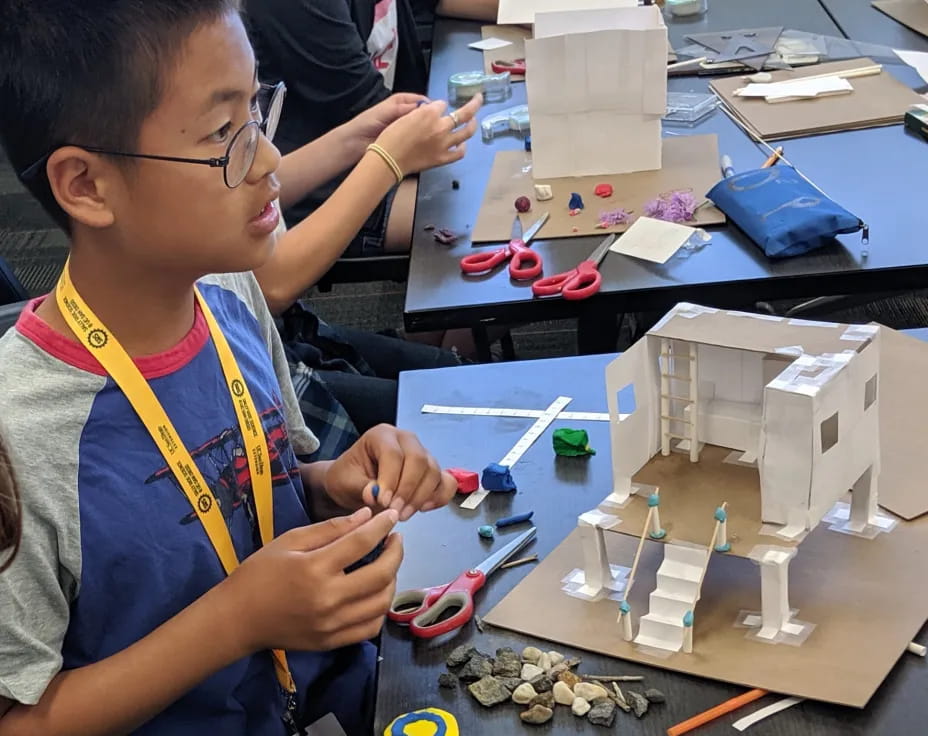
(685, 8)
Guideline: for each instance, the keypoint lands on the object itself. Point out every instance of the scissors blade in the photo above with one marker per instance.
(533, 230)
(516, 232)
(603, 248)
(489, 565)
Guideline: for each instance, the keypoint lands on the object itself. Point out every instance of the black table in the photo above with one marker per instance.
(859, 20)
(440, 545)
(870, 172)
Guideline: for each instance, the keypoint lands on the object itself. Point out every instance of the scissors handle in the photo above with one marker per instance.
(408, 604)
(584, 284)
(427, 624)
(525, 264)
(516, 66)
(551, 285)
(480, 262)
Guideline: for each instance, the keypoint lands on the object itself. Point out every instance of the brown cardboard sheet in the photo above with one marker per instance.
(863, 596)
(689, 163)
(516, 36)
(877, 100)
(911, 13)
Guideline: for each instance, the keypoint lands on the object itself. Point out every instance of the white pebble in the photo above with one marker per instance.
(523, 694)
(531, 671)
(544, 661)
(531, 654)
(590, 691)
(761, 77)
(563, 694)
(556, 658)
(580, 707)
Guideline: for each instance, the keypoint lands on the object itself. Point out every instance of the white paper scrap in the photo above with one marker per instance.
(796, 88)
(766, 712)
(918, 60)
(652, 240)
(488, 44)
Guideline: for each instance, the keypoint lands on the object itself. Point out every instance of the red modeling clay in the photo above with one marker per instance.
(468, 481)
(603, 190)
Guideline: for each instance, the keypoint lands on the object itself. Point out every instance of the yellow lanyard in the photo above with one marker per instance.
(104, 346)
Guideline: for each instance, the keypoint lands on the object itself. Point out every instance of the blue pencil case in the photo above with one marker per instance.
(781, 212)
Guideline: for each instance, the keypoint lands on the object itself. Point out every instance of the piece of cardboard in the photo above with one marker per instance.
(516, 36)
(860, 594)
(689, 163)
(652, 240)
(596, 97)
(876, 100)
(522, 12)
(918, 60)
(911, 13)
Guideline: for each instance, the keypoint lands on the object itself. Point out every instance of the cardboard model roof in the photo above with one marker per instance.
(903, 393)
(740, 331)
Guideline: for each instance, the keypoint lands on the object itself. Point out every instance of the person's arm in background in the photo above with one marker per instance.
(468, 9)
(420, 139)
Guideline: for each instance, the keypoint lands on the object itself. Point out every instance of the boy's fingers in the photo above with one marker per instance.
(429, 485)
(379, 575)
(387, 455)
(459, 135)
(351, 547)
(314, 536)
(468, 111)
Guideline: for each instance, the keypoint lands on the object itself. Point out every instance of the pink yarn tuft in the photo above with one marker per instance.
(611, 218)
(676, 206)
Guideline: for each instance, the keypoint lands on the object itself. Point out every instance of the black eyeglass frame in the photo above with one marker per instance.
(267, 125)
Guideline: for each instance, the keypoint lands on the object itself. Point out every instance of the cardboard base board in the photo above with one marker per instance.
(863, 597)
(516, 36)
(689, 163)
(911, 13)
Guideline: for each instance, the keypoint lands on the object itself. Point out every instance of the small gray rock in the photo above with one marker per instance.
(654, 695)
(477, 667)
(542, 683)
(537, 715)
(602, 713)
(460, 655)
(448, 680)
(488, 691)
(638, 702)
(507, 664)
(545, 699)
(510, 683)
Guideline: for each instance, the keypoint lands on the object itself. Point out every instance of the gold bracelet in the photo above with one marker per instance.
(388, 160)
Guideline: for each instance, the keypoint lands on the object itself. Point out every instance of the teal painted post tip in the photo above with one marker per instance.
(654, 500)
(624, 607)
(688, 619)
(720, 514)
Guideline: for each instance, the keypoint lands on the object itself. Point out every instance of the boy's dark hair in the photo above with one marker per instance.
(86, 72)
(11, 521)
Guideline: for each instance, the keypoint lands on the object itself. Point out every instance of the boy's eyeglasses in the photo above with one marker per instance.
(240, 155)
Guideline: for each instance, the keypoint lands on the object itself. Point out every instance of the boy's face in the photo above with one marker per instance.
(182, 216)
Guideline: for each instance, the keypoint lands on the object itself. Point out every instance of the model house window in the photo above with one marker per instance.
(829, 430)
(627, 404)
(870, 392)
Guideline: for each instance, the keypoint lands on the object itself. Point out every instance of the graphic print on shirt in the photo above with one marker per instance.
(382, 43)
(224, 465)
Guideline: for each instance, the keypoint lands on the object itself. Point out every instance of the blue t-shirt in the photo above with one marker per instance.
(112, 547)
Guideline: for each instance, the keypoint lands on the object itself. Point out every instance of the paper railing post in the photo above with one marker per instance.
(774, 591)
(596, 91)
(596, 571)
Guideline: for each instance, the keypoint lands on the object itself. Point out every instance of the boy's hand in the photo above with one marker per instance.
(293, 593)
(408, 478)
(365, 127)
(427, 137)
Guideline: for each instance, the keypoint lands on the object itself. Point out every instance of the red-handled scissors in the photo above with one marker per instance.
(516, 66)
(525, 264)
(425, 609)
(580, 282)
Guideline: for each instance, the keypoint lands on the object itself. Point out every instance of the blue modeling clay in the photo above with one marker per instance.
(576, 202)
(497, 477)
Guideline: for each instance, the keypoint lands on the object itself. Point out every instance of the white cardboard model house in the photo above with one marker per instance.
(597, 89)
(806, 415)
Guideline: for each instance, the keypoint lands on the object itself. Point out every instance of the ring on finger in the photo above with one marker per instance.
(454, 119)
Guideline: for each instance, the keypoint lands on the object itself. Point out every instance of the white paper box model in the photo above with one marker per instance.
(797, 399)
(597, 88)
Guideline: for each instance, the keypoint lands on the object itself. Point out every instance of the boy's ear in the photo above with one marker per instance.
(82, 182)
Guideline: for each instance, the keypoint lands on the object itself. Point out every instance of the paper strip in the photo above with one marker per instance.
(489, 44)
(474, 499)
(587, 416)
(759, 715)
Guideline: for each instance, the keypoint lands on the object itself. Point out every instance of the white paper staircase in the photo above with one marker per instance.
(678, 581)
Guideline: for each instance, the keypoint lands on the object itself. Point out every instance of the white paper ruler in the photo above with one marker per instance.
(484, 411)
(518, 450)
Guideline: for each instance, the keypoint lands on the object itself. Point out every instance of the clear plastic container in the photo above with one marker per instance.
(689, 108)
(685, 8)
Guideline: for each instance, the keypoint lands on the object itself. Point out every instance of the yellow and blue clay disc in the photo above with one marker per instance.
(425, 722)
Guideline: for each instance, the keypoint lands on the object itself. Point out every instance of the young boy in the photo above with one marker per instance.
(147, 408)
